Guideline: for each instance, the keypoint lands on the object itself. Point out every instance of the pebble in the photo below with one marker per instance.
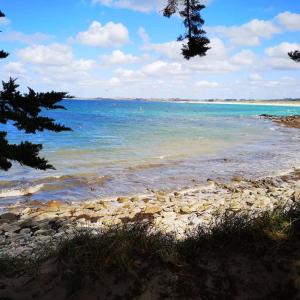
(179, 212)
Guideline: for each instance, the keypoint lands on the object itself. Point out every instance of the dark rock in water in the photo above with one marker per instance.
(9, 217)
(289, 121)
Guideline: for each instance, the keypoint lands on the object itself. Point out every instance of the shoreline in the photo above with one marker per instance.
(280, 103)
(25, 230)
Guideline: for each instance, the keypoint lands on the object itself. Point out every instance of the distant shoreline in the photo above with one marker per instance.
(287, 103)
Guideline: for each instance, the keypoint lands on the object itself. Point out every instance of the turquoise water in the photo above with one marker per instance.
(125, 147)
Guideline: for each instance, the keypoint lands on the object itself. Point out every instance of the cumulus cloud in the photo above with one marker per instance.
(161, 68)
(289, 21)
(206, 84)
(118, 57)
(249, 34)
(55, 54)
(245, 57)
(108, 35)
(16, 36)
(254, 77)
(15, 68)
(138, 5)
(53, 62)
(278, 58)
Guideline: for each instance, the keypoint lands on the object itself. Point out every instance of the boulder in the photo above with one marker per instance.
(123, 199)
(9, 228)
(153, 209)
(53, 206)
(9, 217)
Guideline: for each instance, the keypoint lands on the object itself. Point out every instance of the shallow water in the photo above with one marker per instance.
(125, 147)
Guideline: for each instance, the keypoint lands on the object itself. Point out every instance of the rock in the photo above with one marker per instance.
(25, 223)
(9, 217)
(297, 195)
(123, 200)
(89, 205)
(187, 209)
(161, 199)
(83, 212)
(44, 232)
(169, 214)
(237, 178)
(9, 228)
(153, 209)
(134, 199)
(26, 211)
(147, 200)
(25, 231)
(53, 206)
(2, 240)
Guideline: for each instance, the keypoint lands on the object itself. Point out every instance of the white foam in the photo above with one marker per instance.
(20, 192)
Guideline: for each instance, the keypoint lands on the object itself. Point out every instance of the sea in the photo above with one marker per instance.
(130, 147)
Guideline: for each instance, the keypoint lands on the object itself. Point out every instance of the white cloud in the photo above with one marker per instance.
(109, 35)
(277, 56)
(244, 58)
(4, 21)
(138, 5)
(55, 54)
(289, 20)
(16, 36)
(144, 35)
(54, 63)
(161, 68)
(14, 67)
(119, 57)
(254, 77)
(281, 49)
(206, 84)
(249, 34)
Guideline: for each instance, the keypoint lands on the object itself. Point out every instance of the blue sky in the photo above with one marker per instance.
(126, 48)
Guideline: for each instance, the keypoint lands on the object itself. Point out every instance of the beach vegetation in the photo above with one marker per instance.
(237, 256)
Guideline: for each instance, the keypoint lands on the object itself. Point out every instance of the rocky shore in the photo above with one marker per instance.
(27, 231)
(289, 121)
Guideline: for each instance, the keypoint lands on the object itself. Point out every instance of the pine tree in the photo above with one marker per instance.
(190, 11)
(295, 55)
(24, 112)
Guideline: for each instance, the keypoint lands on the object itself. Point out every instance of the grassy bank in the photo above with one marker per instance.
(238, 258)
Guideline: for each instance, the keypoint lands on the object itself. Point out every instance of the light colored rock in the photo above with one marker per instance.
(53, 206)
(168, 214)
(153, 209)
(123, 199)
(26, 211)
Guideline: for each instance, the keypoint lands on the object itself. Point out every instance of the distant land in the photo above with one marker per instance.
(284, 102)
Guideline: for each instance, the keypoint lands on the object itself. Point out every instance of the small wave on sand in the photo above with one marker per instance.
(15, 192)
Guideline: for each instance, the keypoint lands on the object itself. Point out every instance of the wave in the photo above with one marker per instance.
(20, 192)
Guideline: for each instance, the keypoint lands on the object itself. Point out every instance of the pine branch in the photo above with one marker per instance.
(295, 55)
(197, 42)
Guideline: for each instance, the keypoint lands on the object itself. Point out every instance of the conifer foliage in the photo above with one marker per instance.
(24, 112)
(190, 11)
(295, 55)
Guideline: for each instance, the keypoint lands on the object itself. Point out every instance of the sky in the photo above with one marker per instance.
(126, 48)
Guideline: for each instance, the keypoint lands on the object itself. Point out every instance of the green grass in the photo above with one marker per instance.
(205, 259)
